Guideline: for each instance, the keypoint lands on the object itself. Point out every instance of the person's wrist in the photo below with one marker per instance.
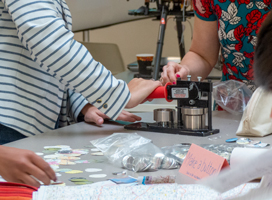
(85, 109)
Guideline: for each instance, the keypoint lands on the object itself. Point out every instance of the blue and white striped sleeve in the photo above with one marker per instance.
(50, 43)
(75, 104)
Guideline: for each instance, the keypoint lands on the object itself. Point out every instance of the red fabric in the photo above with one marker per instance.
(18, 191)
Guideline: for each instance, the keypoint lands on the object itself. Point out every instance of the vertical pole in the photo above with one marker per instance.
(210, 106)
(160, 43)
(86, 36)
(180, 39)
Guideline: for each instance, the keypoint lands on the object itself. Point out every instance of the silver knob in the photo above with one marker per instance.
(199, 78)
(189, 77)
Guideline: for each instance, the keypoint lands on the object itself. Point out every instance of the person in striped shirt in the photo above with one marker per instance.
(47, 79)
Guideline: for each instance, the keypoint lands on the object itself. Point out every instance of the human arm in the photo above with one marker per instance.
(18, 165)
(139, 88)
(92, 114)
(48, 39)
(202, 56)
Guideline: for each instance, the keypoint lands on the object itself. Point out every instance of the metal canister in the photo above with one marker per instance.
(194, 118)
(164, 116)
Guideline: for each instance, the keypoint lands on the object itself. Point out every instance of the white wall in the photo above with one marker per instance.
(140, 37)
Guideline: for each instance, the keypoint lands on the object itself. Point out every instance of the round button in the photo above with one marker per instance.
(98, 101)
(105, 106)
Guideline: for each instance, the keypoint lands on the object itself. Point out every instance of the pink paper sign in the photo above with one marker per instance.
(200, 163)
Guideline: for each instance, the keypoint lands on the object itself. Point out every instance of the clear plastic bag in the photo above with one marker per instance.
(133, 152)
(232, 96)
(147, 157)
(177, 152)
(118, 145)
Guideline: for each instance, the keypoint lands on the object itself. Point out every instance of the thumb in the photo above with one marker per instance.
(96, 118)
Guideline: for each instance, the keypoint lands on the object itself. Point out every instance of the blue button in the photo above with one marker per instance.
(231, 140)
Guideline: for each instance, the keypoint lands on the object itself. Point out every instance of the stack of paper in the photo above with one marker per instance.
(140, 192)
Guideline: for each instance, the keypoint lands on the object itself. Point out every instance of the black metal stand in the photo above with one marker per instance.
(175, 129)
(157, 62)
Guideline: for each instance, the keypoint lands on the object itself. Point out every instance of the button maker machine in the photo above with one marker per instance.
(193, 114)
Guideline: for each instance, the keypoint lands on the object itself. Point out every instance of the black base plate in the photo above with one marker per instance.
(172, 129)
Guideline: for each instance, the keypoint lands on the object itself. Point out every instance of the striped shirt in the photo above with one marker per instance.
(45, 75)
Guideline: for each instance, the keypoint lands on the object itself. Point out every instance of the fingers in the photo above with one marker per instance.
(41, 170)
(169, 73)
(128, 117)
(172, 71)
(26, 179)
(95, 115)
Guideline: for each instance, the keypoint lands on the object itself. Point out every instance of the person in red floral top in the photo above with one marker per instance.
(230, 24)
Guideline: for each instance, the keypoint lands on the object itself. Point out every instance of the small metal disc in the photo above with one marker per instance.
(243, 141)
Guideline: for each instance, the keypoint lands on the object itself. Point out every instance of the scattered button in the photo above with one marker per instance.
(231, 140)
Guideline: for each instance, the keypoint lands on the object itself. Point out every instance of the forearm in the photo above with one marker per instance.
(196, 65)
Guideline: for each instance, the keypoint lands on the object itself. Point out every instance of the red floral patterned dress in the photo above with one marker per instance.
(238, 24)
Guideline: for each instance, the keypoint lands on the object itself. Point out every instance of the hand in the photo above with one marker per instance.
(92, 114)
(17, 165)
(172, 71)
(140, 89)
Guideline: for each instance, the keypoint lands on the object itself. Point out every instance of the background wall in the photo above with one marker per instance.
(141, 37)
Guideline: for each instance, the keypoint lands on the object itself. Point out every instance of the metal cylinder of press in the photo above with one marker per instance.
(194, 118)
(164, 116)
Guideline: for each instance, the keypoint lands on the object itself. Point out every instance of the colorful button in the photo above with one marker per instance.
(105, 106)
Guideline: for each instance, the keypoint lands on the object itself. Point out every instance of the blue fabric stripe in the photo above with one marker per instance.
(102, 69)
(79, 62)
(44, 38)
(100, 86)
(80, 72)
(29, 99)
(32, 93)
(30, 116)
(15, 1)
(17, 54)
(11, 44)
(23, 33)
(78, 107)
(33, 19)
(28, 4)
(41, 29)
(87, 78)
(121, 105)
(32, 11)
(9, 28)
(110, 95)
(105, 91)
(71, 106)
(12, 125)
(33, 85)
(61, 36)
(18, 119)
(68, 51)
(71, 59)
(33, 68)
(26, 106)
(6, 20)
(42, 80)
(12, 36)
(108, 110)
